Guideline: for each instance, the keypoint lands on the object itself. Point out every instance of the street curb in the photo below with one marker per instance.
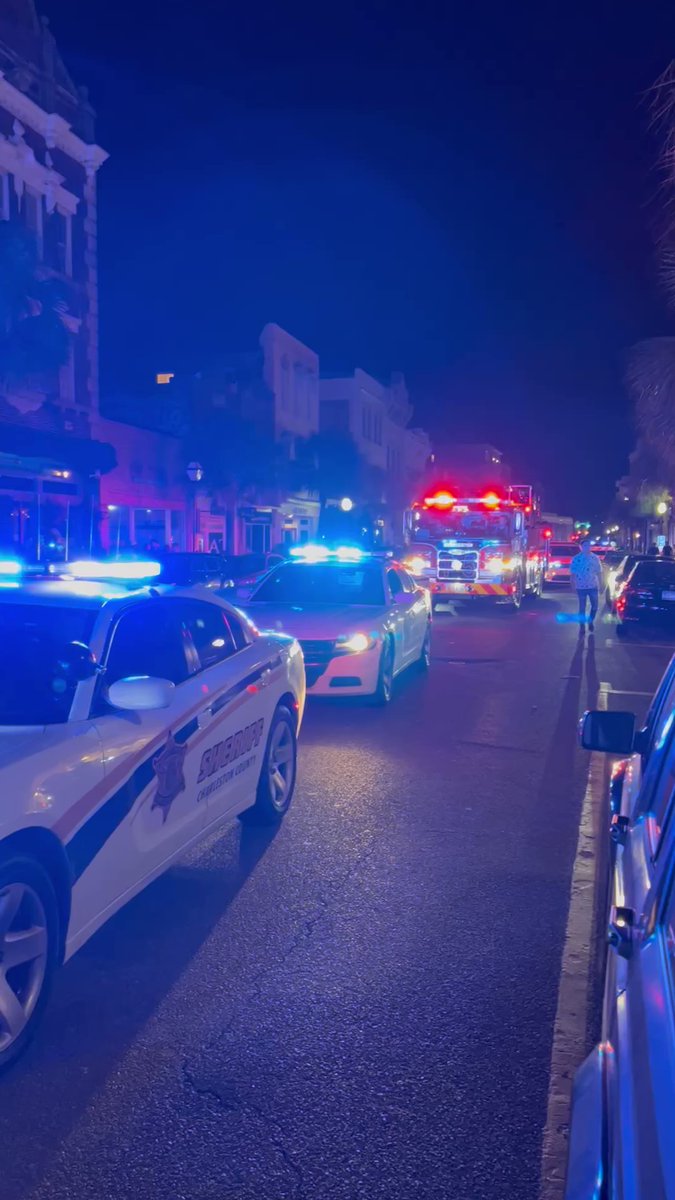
(570, 1030)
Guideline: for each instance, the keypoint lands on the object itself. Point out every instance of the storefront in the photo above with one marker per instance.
(49, 493)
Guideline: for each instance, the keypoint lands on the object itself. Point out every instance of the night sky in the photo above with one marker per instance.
(464, 192)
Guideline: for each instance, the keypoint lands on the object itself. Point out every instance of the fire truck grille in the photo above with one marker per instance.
(459, 565)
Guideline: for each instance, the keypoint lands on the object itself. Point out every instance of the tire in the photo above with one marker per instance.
(28, 904)
(385, 677)
(280, 760)
(424, 660)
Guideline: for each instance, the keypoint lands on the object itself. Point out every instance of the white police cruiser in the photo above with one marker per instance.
(621, 1142)
(131, 722)
(359, 618)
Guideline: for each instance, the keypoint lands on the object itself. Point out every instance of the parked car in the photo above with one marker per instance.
(131, 723)
(621, 1142)
(647, 597)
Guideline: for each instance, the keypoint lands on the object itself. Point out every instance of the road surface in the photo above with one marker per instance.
(363, 1004)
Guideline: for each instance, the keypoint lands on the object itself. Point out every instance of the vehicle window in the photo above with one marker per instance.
(654, 573)
(563, 550)
(409, 584)
(148, 640)
(208, 627)
(322, 583)
(32, 640)
(396, 581)
(238, 630)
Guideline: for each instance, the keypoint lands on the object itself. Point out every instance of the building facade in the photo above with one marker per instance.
(50, 462)
(377, 417)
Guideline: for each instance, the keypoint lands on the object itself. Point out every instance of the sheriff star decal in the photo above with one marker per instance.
(168, 767)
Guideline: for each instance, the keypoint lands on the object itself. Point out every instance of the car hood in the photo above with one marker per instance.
(314, 622)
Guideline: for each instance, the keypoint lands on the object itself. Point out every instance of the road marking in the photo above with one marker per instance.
(571, 1019)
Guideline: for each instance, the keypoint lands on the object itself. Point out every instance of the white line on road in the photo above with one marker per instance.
(627, 692)
(571, 1019)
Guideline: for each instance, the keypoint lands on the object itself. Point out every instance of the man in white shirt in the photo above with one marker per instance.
(586, 572)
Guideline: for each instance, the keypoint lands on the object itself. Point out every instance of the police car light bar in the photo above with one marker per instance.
(10, 566)
(124, 571)
(314, 553)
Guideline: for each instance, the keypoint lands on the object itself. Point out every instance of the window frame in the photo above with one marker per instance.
(229, 621)
(100, 705)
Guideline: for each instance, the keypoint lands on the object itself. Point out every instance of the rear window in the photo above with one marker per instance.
(563, 550)
(654, 573)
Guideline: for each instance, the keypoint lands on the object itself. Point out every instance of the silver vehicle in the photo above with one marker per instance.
(621, 1144)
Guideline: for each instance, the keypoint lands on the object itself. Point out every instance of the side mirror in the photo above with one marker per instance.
(610, 732)
(141, 693)
(76, 662)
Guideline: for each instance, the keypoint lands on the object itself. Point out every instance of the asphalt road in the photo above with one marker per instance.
(362, 1005)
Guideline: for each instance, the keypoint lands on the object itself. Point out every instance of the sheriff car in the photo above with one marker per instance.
(131, 722)
(360, 619)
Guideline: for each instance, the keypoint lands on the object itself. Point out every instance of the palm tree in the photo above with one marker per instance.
(33, 338)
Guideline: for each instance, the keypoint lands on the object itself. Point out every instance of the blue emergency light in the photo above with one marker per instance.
(125, 572)
(10, 567)
(312, 552)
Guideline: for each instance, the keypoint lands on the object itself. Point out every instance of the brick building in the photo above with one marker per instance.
(50, 465)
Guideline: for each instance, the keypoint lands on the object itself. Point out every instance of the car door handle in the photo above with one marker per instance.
(265, 677)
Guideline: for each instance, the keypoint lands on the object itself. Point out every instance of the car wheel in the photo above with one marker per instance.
(385, 676)
(424, 660)
(29, 940)
(277, 774)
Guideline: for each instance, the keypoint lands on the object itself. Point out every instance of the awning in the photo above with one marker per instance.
(82, 455)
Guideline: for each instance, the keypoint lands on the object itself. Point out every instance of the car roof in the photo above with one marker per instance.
(92, 595)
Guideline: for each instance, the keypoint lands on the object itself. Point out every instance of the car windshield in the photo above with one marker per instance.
(35, 687)
(323, 583)
(434, 525)
(563, 550)
(654, 573)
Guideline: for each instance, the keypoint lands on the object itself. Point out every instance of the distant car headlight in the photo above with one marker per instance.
(356, 643)
(416, 564)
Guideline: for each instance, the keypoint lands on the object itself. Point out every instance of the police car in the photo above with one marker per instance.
(131, 722)
(360, 619)
(621, 1140)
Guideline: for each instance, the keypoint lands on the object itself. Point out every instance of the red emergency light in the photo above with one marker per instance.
(547, 533)
(491, 500)
(440, 500)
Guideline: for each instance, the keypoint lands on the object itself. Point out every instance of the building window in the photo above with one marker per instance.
(67, 379)
(32, 216)
(257, 536)
(57, 242)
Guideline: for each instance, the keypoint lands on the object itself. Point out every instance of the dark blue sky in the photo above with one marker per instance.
(461, 192)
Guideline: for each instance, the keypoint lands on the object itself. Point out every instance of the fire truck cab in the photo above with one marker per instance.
(477, 547)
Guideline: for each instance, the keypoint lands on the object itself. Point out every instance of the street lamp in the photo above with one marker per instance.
(195, 473)
(346, 504)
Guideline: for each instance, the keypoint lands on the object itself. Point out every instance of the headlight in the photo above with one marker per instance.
(416, 564)
(357, 643)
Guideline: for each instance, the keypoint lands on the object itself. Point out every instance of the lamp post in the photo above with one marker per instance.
(195, 473)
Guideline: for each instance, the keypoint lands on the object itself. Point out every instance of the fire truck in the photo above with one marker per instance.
(487, 546)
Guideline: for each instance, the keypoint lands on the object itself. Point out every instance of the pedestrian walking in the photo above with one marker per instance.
(653, 551)
(667, 551)
(586, 573)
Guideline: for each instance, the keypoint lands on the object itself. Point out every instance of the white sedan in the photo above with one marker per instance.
(131, 723)
(359, 619)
